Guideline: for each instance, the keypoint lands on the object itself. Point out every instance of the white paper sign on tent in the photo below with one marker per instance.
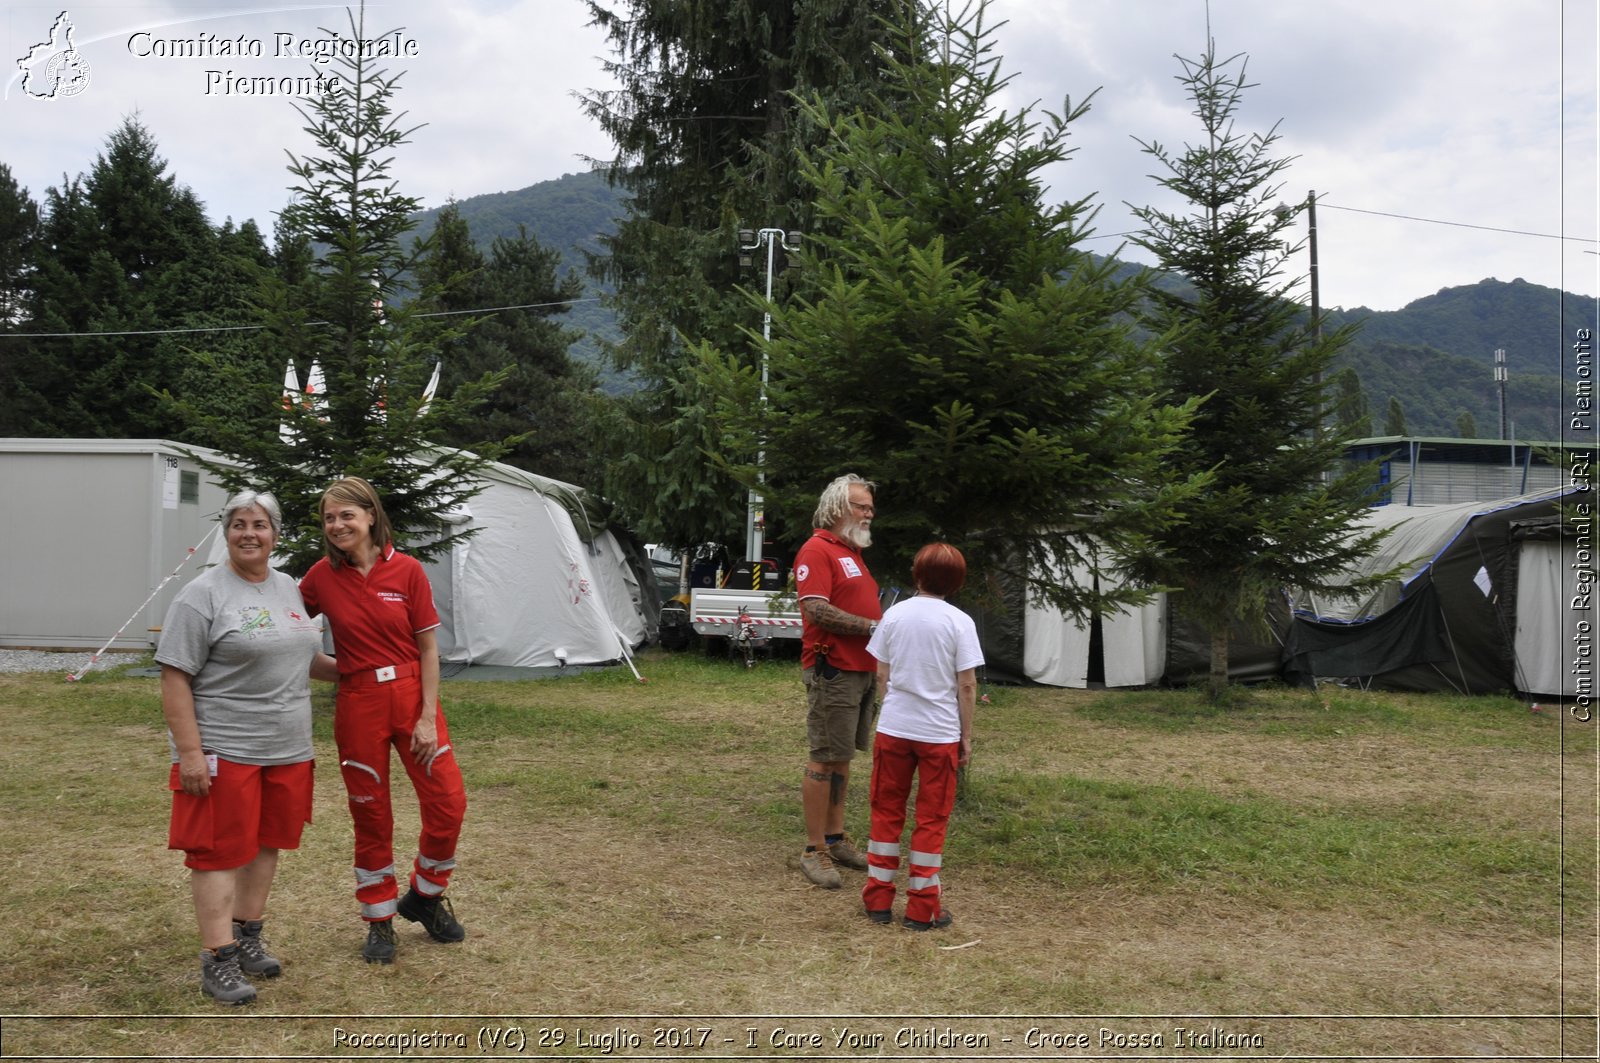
(1482, 581)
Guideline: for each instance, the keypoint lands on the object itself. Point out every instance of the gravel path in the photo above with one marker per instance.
(65, 663)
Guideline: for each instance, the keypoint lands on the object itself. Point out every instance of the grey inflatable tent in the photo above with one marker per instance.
(1486, 600)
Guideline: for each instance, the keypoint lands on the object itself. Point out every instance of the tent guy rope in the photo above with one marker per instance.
(75, 676)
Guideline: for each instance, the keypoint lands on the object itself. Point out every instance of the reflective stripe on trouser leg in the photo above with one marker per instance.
(374, 882)
(936, 796)
(361, 731)
(442, 804)
(429, 873)
(892, 767)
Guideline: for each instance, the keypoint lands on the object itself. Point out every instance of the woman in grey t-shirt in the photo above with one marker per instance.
(237, 650)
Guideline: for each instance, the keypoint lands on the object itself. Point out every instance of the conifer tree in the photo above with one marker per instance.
(961, 347)
(121, 250)
(1394, 418)
(375, 353)
(707, 135)
(1277, 514)
(1351, 418)
(543, 406)
(19, 249)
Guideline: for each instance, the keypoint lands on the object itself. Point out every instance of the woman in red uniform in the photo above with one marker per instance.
(380, 608)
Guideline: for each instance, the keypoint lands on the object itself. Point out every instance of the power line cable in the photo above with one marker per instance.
(1461, 224)
(1408, 217)
(595, 299)
(257, 328)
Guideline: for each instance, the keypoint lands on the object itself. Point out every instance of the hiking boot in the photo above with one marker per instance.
(435, 915)
(220, 976)
(844, 853)
(380, 942)
(253, 955)
(817, 866)
(881, 916)
(939, 922)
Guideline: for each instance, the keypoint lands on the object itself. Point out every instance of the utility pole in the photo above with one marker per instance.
(1284, 211)
(775, 241)
(1316, 300)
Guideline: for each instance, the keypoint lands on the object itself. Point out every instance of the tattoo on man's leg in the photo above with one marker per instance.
(817, 776)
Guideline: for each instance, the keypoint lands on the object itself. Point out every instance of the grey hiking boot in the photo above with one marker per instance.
(435, 915)
(818, 868)
(380, 944)
(254, 959)
(220, 976)
(847, 855)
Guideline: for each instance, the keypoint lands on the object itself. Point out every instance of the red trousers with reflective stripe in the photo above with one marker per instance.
(895, 762)
(368, 721)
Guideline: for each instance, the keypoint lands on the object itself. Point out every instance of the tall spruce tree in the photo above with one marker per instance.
(19, 250)
(1351, 417)
(120, 247)
(543, 405)
(19, 237)
(1394, 418)
(1276, 513)
(961, 347)
(376, 355)
(707, 136)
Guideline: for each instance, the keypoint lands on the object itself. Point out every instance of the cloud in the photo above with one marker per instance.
(1475, 112)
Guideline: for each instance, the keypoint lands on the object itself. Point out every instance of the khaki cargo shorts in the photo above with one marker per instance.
(840, 713)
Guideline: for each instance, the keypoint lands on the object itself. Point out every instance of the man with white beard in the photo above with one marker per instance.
(840, 611)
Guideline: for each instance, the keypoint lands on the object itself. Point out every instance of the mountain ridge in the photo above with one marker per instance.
(1435, 354)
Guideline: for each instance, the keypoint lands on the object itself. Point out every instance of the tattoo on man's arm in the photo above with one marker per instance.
(830, 617)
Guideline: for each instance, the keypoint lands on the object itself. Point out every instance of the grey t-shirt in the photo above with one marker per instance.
(248, 647)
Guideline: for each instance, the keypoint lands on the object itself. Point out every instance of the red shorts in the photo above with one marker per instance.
(250, 807)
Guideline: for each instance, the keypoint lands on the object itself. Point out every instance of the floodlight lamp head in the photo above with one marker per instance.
(747, 236)
(792, 240)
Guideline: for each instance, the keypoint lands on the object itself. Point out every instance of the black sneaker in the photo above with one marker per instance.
(380, 942)
(881, 916)
(253, 955)
(939, 922)
(435, 915)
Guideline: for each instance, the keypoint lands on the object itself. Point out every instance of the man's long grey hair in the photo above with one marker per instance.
(834, 505)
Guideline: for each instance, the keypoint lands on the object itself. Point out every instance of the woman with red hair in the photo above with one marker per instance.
(928, 655)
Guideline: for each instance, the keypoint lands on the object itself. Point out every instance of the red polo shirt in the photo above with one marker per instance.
(829, 568)
(375, 618)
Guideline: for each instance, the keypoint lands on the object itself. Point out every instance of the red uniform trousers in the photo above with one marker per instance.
(368, 719)
(894, 762)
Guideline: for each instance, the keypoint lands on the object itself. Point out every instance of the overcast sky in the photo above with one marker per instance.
(1449, 113)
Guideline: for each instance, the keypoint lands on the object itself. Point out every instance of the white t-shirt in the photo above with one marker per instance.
(925, 642)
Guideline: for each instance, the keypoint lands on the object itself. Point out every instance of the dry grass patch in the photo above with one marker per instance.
(626, 853)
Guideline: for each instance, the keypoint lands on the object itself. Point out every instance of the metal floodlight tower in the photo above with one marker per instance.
(750, 241)
(1500, 381)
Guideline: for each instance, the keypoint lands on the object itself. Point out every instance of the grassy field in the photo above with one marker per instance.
(1134, 874)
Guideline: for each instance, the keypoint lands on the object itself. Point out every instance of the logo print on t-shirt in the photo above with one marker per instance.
(851, 569)
(393, 597)
(802, 573)
(255, 620)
